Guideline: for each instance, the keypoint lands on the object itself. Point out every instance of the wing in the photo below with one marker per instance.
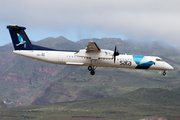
(92, 47)
(94, 52)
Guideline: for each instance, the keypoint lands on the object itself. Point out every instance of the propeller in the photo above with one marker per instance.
(116, 53)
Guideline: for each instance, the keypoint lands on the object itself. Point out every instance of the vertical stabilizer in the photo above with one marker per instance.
(19, 38)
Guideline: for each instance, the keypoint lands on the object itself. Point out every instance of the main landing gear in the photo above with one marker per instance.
(164, 73)
(91, 69)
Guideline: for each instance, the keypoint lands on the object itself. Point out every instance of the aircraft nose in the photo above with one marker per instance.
(169, 67)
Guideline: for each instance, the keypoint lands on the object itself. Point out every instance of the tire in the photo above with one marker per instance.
(164, 73)
(92, 72)
(90, 68)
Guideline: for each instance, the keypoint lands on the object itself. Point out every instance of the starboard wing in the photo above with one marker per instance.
(92, 47)
(92, 51)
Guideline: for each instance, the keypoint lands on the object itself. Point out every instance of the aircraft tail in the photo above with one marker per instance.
(20, 39)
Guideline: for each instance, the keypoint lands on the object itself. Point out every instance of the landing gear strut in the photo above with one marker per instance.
(164, 73)
(91, 69)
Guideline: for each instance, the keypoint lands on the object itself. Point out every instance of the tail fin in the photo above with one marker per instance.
(19, 38)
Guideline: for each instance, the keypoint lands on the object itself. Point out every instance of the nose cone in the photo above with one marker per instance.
(169, 67)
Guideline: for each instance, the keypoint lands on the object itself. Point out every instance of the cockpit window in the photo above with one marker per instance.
(158, 60)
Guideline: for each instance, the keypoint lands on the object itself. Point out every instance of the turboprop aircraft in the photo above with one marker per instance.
(92, 56)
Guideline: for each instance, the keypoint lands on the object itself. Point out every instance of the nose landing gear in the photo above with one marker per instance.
(164, 73)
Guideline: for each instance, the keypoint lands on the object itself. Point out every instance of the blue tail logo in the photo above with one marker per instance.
(21, 41)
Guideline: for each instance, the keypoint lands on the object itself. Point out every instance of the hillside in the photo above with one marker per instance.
(141, 96)
(142, 103)
(2, 104)
(25, 81)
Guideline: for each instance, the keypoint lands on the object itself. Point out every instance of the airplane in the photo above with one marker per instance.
(92, 56)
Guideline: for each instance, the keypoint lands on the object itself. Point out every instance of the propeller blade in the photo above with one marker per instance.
(114, 59)
(116, 53)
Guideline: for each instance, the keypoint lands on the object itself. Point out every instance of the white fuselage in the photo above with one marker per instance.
(70, 58)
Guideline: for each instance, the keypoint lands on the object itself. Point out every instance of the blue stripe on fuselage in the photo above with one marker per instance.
(141, 62)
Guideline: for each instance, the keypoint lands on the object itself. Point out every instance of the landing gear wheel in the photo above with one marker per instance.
(164, 73)
(92, 72)
(90, 68)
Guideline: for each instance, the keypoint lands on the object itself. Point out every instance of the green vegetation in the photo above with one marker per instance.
(141, 103)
